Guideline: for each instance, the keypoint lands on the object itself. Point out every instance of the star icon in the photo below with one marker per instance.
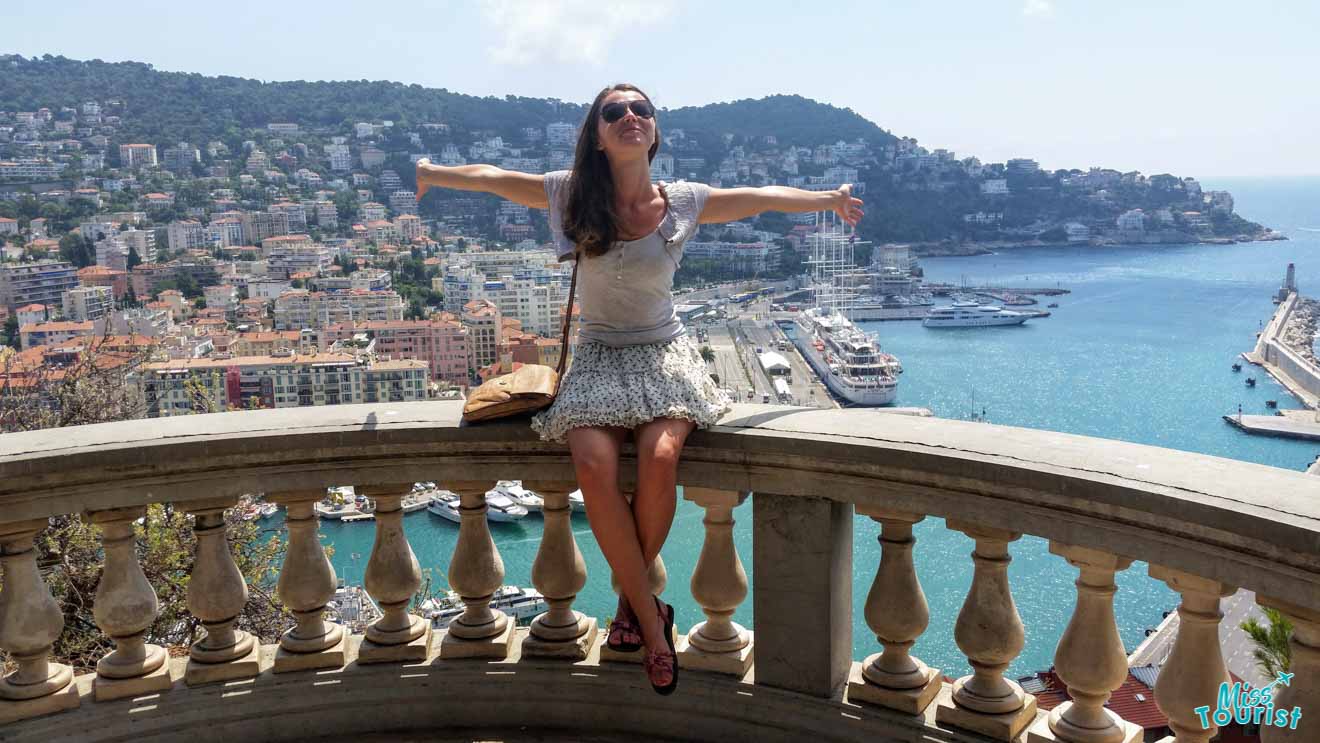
(1284, 678)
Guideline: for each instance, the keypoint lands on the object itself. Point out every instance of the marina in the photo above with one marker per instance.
(1160, 375)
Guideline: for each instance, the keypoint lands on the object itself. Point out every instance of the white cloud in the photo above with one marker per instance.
(1038, 7)
(534, 31)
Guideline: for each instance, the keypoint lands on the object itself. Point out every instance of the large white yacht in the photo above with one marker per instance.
(523, 604)
(846, 358)
(972, 315)
(514, 491)
(499, 507)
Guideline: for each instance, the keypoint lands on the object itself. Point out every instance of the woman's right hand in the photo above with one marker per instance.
(422, 185)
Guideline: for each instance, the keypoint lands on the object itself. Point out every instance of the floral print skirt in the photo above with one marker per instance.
(631, 385)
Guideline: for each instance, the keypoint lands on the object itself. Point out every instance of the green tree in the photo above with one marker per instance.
(133, 258)
(11, 331)
(1272, 652)
(77, 250)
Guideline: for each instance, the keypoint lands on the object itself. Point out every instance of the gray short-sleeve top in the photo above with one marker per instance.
(625, 297)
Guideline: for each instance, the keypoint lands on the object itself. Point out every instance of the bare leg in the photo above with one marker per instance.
(659, 444)
(596, 460)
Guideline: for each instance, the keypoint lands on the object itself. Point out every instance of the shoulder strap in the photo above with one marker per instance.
(568, 313)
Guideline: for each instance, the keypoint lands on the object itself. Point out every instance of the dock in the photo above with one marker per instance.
(1283, 426)
(1297, 375)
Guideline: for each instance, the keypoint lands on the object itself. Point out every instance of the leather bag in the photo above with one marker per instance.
(527, 390)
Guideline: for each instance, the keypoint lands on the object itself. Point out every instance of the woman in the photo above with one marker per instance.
(634, 369)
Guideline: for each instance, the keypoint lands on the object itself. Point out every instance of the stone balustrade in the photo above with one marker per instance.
(1204, 525)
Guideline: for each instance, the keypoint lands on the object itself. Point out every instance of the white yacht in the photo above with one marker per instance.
(514, 490)
(846, 358)
(445, 504)
(522, 604)
(576, 502)
(972, 315)
(499, 507)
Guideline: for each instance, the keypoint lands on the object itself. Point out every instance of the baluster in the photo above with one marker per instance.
(392, 579)
(1090, 658)
(30, 623)
(1302, 691)
(657, 578)
(124, 609)
(476, 572)
(559, 573)
(1195, 668)
(719, 584)
(217, 594)
(989, 631)
(307, 583)
(897, 612)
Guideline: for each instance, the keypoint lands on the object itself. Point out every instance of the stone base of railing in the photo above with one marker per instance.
(566, 698)
(65, 699)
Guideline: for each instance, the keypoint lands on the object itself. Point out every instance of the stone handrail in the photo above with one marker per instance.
(1205, 524)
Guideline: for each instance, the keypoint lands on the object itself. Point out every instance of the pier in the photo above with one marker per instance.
(1299, 374)
(1284, 426)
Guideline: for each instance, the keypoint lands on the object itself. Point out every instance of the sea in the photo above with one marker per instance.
(1139, 350)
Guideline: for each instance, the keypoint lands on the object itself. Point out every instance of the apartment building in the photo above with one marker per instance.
(42, 282)
(300, 308)
(442, 343)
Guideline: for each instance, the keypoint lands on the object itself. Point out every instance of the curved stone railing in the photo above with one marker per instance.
(1204, 524)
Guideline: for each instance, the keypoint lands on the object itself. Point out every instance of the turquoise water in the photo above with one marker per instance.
(1139, 351)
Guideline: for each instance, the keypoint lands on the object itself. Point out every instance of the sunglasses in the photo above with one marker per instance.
(612, 112)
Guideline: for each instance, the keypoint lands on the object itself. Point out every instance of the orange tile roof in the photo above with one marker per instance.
(57, 326)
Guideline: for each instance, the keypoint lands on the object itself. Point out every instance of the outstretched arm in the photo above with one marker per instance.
(522, 188)
(733, 204)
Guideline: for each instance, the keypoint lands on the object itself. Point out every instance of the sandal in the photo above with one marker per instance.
(661, 666)
(625, 635)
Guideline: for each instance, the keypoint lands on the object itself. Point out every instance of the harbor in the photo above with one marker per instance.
(1026, 376)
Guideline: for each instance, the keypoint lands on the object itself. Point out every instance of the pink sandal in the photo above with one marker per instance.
(625, 636)
(661, 666)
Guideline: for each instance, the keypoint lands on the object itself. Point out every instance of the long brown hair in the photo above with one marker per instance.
(589, 218)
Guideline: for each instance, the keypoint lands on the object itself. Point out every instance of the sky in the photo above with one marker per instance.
(1206, 89)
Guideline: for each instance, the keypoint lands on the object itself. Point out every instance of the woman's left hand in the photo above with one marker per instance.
(846, 206)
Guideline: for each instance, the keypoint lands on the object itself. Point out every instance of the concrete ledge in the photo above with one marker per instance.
(580, 700)
(1249, 525)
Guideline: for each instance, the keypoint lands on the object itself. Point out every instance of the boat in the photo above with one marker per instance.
(576, 502)
(352, 607)
(499, 507)
(514, 491)
(523, 604)
(1271, 403)
(268, 509)
(846, 358)
(445, 504)
(1237, 367)
(972, 315)
(1251, 381)
(415, 501)
(1052, 305)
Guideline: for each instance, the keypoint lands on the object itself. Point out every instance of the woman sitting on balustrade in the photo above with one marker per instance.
(633, 370)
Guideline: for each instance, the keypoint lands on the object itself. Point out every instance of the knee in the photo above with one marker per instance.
(663, 453)
(595, 465)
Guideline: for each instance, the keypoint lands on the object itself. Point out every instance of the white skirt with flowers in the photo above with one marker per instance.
(631, 385)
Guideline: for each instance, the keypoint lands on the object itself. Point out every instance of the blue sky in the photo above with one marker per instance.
(1206, 88)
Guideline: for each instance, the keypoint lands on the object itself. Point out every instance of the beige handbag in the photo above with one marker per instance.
(527, 390)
